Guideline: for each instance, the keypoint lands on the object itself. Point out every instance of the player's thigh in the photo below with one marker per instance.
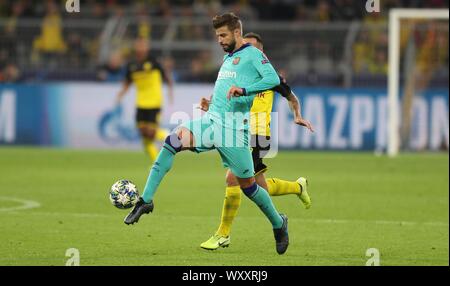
(147, 130)
(147, 121)
(238, 160)
(200, 131)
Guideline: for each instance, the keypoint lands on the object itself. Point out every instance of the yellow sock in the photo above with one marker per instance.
(230, 208)
(279, 187)
(151, 149)
(161, 134)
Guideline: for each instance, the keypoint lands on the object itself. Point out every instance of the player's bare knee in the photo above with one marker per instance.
(231, 180)
(151, 133)
(143, 132)
(246, 182)
(186, 138)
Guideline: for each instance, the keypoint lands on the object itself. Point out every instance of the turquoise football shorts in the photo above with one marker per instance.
(232, 145)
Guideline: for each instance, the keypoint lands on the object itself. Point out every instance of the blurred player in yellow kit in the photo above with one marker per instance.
(147, 75)
(260, 116)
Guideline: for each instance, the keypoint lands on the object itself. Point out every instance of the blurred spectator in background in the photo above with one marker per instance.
(4, 8)
(10, 73)
(348, 10)
(188, 29)
(322, 13)
(144, 27)
(111, 25)
(164, 10)
(378, 65)
(99, 11)
(168, 64)
(202, 68)
(50, 43)
(114, 70)
(9, 36)
(362, 52)
(76, 52)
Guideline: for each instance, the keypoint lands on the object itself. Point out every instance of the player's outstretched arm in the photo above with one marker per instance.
(126, 84)
(295, 107)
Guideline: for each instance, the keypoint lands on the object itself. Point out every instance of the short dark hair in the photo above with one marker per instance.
(255, 36)
(228, 19)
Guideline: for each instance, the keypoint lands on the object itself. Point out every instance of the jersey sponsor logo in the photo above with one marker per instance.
(236, 60)
(226, 74)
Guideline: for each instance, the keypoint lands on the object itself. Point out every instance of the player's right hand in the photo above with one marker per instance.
(204, 104)
(303, 122)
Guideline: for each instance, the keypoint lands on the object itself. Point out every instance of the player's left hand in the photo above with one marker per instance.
(303, 122)
(234, 92)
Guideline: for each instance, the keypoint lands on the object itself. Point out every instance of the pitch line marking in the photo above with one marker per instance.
(325, 221)
(26, 204)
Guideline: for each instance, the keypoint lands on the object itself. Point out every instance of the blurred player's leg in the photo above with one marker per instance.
(161, 134)
(150, 148)
(152, 134)
(148, 123)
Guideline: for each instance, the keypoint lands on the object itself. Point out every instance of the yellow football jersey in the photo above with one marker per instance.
(148, 78)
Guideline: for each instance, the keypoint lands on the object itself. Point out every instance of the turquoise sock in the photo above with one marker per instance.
(262, 199)
(160, 168)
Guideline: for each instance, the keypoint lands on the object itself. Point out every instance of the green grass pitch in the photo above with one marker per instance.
(399, 206)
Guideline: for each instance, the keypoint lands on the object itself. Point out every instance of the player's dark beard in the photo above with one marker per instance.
(229, 48)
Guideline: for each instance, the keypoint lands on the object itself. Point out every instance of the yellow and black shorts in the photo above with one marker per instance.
(148, 116)
(260, 147)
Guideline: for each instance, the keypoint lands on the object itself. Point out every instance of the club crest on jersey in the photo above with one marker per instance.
(236, 60)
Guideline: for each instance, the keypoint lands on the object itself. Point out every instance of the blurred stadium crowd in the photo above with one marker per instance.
(331, 42)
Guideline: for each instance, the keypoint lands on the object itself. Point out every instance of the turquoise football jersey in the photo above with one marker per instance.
(246, 68)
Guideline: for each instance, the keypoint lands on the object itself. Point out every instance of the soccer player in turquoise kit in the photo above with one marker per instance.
(245, 72)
